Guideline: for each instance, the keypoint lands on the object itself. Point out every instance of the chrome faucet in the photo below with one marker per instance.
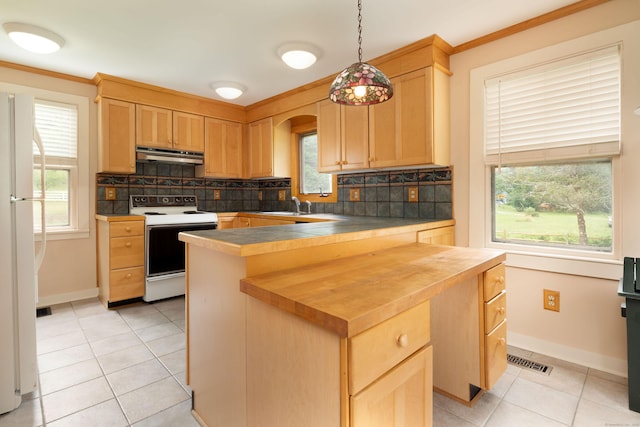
(308, 202)
(297, 202)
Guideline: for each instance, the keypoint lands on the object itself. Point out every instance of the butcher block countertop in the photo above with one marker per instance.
(309, 231)
(352, 294)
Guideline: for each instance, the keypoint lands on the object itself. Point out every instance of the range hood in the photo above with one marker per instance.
(148, 154)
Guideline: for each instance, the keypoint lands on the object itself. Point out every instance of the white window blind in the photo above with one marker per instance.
(569, 108)
(57, 125)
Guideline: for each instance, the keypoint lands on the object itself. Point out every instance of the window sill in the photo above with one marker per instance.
(64, 235)
(610, 269)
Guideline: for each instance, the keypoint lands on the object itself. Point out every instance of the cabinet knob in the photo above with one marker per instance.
(402, 340)
(502, 342)
(128, 244)
(501, 310)
(127, 229)
(500, 279)
(128, 276)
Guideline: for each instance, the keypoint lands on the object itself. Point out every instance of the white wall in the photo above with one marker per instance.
(68, 271)
(588, 329)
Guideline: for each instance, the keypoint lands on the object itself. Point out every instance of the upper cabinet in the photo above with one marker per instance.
(268, 150)
(222, 149)
(343, 137)
(117, 133)
(162, 128)
(412, 128)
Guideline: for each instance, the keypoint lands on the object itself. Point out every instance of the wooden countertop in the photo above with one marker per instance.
(119, 217)
(350, 295)
(318, 229)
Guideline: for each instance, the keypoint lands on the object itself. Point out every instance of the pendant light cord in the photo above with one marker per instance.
(359, 30)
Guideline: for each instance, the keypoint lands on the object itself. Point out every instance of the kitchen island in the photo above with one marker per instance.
(329, 314)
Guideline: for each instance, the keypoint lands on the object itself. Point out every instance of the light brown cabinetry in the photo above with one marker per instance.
(343, 137)
(222, 149)
(438, 236)
(268, 152)
(120, 259)
(116, 141)
(495, 325)
(412, 128)
(162, 128)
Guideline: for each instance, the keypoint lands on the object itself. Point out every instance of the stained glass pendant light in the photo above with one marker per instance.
(360, 83)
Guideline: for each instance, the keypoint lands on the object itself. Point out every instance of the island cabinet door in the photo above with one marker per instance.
(402, 397)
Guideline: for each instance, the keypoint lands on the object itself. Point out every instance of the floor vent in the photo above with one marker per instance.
(529, 364)
(44, 311)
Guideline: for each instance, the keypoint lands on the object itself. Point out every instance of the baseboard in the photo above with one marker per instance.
(68, 297)
(570, 354)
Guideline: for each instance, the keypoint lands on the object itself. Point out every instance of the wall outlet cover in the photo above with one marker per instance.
(413, 194)
(354, 194)
(282, 195)
(551, 300)
(110, 193)
(216, 195)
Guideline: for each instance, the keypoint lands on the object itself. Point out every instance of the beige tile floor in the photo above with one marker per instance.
(126, 367)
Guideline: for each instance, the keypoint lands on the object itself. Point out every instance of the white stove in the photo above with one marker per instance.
(161, 210)
(165, 218)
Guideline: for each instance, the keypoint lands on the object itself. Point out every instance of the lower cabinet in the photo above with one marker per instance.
(402, 397)
(120, 259)
(495, 325)
(301, 374)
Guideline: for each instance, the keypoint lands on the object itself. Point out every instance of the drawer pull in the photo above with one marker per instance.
(500, 280)
(127, 229)
(128, 276)
(128, 244)
(402, 340)
(502, 342)
(501, 310)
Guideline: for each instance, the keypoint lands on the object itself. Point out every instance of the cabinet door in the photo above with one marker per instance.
(355, 137)
(188, 132)
(153, 127)
(402, 128)
(437, 236)
(261, 148)
(117, 137)
(402, 397)
(223, 148)
(329, 147)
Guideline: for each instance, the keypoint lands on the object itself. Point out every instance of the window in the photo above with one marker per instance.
(62, 120)
(539, 120)
(312, 181)
(57, 125)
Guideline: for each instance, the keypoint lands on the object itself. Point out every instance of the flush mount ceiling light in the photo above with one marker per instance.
(298, 55)
(32, 38)
(360, 83)
(228, 90)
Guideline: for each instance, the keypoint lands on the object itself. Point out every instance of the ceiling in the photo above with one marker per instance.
(186, 45)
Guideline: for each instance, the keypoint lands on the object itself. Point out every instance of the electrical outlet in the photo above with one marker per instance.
(354, 194)
(260, 195)
(551, 300)
(110, 193)
(282, 195)
(216, 195)
(413, 194)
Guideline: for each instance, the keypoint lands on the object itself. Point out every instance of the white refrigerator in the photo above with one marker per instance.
(18, 262)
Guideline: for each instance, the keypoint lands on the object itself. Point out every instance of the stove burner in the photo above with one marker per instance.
(155, 213)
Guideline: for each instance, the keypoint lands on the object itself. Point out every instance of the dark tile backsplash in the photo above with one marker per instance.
(383, 194)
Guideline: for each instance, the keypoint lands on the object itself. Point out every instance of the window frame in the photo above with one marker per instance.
(79, 195)
(297, 130)
(480, 234)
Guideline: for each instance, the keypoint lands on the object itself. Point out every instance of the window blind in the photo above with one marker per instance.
(57, 125)
(569, 108)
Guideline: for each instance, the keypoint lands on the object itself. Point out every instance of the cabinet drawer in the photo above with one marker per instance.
(495, 311)
(378, 349)
(126, 228)
(126, 283)
(494, 282)
(496, 354)
(126, 252)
